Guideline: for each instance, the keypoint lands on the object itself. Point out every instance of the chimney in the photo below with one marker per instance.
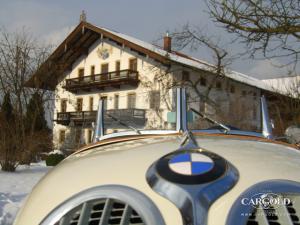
(82, 16)
(167, 43)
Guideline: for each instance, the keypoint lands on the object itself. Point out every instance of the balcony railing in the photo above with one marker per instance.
(135, 116)
(99, 81)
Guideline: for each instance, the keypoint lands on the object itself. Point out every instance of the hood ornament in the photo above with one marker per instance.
(192, 178)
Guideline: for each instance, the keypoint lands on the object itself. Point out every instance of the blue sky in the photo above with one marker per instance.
(51, 21)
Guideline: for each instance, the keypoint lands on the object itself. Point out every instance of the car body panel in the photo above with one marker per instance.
(126, 163)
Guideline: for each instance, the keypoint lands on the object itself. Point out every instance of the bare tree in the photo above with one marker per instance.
(270, 28)
(20, 56)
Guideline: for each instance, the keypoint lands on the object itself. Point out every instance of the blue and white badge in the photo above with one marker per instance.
(191, 164)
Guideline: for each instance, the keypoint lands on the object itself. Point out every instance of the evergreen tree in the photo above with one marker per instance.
(35, 114)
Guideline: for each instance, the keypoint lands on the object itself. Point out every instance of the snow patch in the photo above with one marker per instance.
(15, 186)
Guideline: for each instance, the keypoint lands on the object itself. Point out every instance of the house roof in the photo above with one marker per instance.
(85, 34)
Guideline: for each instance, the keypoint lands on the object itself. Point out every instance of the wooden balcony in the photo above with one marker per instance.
(85, 118)
(100, 81)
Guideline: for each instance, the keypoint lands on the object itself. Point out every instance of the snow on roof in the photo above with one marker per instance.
(194, 62)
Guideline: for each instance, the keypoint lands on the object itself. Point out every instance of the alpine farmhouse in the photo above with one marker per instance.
(135, 80)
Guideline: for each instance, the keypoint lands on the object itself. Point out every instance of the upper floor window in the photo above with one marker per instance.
(104, 99)
(244, 93)
(80, 73)
(63, 105)
(154, 100)
(219, 85)
(133, 64)
(92, 70)
(118, 65)
(116, 102)
(91, 104)
(202, 81)
(79, 104)
(131, 100)
(185, 75)
(232, 89)
(104, 71)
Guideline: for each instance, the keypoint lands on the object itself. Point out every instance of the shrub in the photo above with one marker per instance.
(54, 159)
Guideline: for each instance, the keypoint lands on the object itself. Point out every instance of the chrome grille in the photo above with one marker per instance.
(277, 215)
(102, 212)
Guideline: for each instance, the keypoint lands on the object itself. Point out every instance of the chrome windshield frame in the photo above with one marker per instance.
(181, 122)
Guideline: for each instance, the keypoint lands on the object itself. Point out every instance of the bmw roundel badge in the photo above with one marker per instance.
(191, 167)
(191, 163)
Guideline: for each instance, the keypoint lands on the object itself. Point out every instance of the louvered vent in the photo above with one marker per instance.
(102, 212)
(277, 215)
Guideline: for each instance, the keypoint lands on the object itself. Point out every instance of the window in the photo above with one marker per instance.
(133, 64)
(116, 102)
(90, 136)
(254, 95)
(78, 136)
(91, 104)
(232, 89)
(203, 81)
(80, 73)
(79, 104)
(131, 99)
(63, 105)
(244, 93)
(118, 67)
(185, 75)
(219, 85)
(62, 136)
(104, 99)
(104, 71)
(154, 100)
(92, 72)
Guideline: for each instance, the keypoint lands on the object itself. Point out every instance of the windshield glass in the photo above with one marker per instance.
(154, 110)
(139, 110)
(233, 111)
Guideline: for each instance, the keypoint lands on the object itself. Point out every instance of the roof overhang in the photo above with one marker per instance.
(75, 45)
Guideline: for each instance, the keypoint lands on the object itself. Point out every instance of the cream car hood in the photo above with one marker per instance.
(125, 163)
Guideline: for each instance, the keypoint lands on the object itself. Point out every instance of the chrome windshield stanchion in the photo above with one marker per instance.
(181, 113)
(266, 123)
(99, 127)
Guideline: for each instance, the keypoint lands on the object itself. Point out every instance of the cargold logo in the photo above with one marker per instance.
(266, 201)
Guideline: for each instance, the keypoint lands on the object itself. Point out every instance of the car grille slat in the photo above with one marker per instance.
(102, 212)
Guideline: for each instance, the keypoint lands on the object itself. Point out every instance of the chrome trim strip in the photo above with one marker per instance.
(99, 128)
(235, 216)
(142, 132)
(266, 123)
(136, 199)
(232, 132)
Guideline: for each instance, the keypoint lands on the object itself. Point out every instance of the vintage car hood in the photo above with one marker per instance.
(126, 163)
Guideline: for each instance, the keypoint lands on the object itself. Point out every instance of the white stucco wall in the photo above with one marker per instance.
(147, 69)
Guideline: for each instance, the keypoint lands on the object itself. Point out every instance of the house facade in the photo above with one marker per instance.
(136, 82)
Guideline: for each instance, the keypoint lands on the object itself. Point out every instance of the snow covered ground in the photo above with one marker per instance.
(14, 187)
